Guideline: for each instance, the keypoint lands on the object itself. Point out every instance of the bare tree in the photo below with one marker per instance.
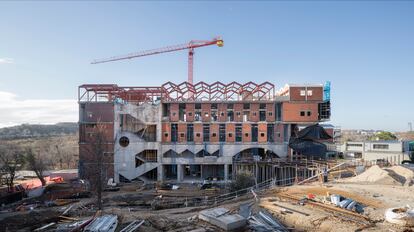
(59, 156)
(11, 160)
(99, 147)
(36, 163)
(66, 153)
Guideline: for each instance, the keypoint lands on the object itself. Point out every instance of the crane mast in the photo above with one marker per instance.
(190, 46)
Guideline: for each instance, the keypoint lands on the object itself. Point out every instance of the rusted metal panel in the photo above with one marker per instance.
(96, 112)
(88, 132)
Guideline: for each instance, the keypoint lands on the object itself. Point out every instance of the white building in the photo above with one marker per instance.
(394, 151)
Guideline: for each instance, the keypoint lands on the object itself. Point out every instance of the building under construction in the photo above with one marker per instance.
(191, 132)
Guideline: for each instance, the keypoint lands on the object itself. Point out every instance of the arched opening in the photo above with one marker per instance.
(250, 154)
(256, 162)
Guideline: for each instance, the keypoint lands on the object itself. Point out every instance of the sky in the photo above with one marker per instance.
(366, 50)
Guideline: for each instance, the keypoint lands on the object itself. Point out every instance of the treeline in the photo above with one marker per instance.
(36, 131)
(38, 155)
(37, 148)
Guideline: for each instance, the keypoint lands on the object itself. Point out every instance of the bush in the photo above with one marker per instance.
(243, 180)
(384, 135)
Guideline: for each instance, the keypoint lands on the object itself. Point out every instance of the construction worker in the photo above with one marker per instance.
(325, 175)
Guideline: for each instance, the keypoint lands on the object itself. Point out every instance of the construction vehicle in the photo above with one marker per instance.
(410, 154)
(411, 159)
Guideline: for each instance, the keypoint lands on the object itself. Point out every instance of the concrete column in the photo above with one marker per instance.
(160, 173)
(179, 172)
(116, 175)
(226, 172)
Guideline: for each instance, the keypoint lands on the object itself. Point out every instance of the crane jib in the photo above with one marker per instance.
(191, 45)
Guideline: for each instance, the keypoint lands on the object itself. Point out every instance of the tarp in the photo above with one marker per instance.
(308, 147)
(307, 141)
(313, 132)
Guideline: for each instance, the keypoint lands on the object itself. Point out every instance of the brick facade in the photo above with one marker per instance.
(300, 112)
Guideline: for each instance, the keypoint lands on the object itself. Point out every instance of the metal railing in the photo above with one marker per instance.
(215, 200)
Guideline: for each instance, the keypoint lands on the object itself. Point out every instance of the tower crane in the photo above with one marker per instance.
(190, 46)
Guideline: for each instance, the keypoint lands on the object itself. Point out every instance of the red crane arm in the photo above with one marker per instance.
(191, 45)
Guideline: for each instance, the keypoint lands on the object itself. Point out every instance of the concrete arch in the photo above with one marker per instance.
(248, 154)
(232, 150)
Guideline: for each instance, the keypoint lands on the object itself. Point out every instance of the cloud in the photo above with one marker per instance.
(15, 111)
(6, 60)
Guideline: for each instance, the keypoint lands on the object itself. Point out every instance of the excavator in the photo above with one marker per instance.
(410, 154)
(411, 159)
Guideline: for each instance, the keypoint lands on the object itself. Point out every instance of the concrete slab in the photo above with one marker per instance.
(245, 209)
(220, 218)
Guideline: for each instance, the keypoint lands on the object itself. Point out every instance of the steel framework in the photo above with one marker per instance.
(110, 92)
(171, 92)
(218, 91)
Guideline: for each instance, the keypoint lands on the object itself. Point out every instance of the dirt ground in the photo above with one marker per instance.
(376, 198)
(179, 219)
(133, 202)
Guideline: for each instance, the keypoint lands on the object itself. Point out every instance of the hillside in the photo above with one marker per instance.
(36, 130)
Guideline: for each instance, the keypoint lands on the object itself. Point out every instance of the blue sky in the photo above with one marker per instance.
(365, 49)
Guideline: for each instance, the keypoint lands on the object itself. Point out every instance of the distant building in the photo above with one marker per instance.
(393, 150)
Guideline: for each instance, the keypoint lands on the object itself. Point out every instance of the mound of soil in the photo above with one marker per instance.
(377, 175)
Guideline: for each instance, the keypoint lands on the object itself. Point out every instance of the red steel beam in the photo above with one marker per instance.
(184, 91)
